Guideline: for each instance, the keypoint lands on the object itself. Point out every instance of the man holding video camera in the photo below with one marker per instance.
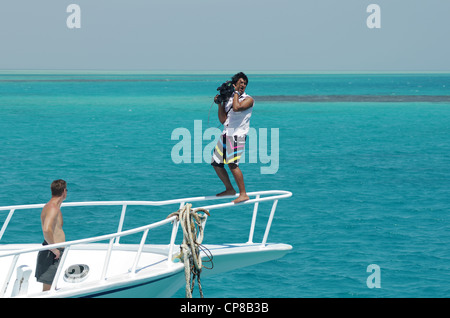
(235, 110)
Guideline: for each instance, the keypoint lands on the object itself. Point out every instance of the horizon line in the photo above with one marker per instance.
(206, 72)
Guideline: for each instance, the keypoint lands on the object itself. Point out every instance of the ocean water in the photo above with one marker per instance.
(366, 156)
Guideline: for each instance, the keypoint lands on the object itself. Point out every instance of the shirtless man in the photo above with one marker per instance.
(52, 223)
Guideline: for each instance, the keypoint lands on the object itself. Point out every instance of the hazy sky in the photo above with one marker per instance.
(209, 35)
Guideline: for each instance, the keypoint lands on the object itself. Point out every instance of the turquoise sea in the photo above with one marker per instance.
(366, 156)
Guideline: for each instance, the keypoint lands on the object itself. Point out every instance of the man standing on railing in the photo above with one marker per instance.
(234, 114)
(52, 222)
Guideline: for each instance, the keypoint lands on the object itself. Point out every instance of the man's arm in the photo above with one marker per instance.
(240, 106)
(222, 114)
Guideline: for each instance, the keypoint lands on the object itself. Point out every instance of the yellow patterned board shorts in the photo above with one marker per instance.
(229, 149)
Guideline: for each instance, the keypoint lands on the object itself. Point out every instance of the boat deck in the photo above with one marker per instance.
(131, 270)
(152, 265)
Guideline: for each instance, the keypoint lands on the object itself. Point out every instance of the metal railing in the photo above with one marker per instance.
(273, 195)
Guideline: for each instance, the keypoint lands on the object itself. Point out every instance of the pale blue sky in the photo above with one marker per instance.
(209, 35)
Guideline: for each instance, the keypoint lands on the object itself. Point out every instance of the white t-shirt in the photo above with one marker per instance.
(237, 123)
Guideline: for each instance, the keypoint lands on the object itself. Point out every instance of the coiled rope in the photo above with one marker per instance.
(191, 223)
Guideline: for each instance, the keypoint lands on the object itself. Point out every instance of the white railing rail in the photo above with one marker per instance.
(68, 245)
(260, 196)
(272, 195)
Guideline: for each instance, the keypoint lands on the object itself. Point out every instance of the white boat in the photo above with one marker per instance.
(103, 267)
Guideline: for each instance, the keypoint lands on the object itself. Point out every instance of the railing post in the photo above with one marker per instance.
(172, 240)
(203, 224)
(8, 276)
(8, 218)
(139, 252)
(60, 266)
(122, 219)
(269, 222)
(173, 237)
(107, 258)
(252, 227)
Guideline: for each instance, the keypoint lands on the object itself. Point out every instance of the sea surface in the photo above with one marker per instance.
(366, 156)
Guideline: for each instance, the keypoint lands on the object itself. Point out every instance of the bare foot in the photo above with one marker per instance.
(241, 198)
(226, 192)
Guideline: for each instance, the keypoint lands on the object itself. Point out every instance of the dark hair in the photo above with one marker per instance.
(58, 187)
(237, 76)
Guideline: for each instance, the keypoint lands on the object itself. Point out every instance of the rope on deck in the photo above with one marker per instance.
(191, 223)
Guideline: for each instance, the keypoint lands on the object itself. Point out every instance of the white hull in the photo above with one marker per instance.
(157, 278)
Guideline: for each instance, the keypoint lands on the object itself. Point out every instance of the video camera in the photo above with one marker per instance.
(226, 90)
